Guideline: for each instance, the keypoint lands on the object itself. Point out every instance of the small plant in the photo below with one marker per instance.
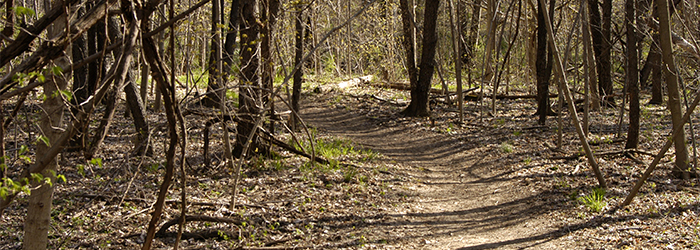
(527, 160)
(506, 147)
(349, 175)
(595, 201)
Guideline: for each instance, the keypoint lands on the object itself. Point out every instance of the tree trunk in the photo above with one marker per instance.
(270, 9)
(652, 66)
(249, 90)
(456, 35)
(298, 54)
(81, 88)
(657, 91)
(230, 43)
(671, 75)
(632, 79)
(134, 104)
(590, 65)
(544, 65)
(408, 42)
(601, 49)
(38, 220)
(605, 71)
(419, 94)
(471, 40)
(215, 90)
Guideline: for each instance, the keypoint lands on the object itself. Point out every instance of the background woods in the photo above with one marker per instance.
(120, 106)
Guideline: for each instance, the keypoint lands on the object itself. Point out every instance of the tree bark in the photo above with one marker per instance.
(456, 35)
(654, 65)
(231, 34)
(632, 73)
(270, 9)
(298, 54)
(605, 71)
(249, 90)
(215, 89)
(468, 53)
(409, 42)
(419, 94)
(38, 220)
(601, 49)
(543, 65)
(674, 100)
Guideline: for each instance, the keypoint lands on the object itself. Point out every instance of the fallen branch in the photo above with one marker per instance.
(192, 218)
(626, 152)
(172, 201)
(290, 148)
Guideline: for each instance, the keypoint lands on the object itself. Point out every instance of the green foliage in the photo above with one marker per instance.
(22, 11)
(506, 147)
(11, 187)
(81, 169)
(43, 139)
(349, 174)
(595, 201)
(23, 149)
(67, 94)
(96, 161)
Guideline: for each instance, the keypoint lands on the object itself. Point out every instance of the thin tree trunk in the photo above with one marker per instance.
(214, 89)
(572, 108)
(455, 24)
(632, 73)
(599, 50)
(270, 9)
(409, 42)
(298, 54)
(471, 40)
(671, 75)
(605, 69)
(591, 76)
(249, 90)
(38, 220)
(654, 62)
(486, 67)
(544, 65)
(230, 43)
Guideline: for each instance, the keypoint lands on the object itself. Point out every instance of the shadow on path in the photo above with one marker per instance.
(466, 197)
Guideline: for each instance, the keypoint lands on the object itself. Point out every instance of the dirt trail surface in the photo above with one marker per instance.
(465, 197)
(392, 183)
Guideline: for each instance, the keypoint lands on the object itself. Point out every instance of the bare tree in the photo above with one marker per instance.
(419, 91)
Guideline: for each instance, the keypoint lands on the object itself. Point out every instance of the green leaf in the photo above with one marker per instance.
(81, 170)
(20, 11)
(37, 177)
(57, 70)
(44, 139)
(67, 94)
(61, 178)
(25, 158)
(23, 149)
(96, 161)
(47, 180)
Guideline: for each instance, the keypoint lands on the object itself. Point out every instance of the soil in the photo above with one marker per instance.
(494, 181)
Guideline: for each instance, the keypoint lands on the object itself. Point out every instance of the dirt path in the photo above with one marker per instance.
(465, 198)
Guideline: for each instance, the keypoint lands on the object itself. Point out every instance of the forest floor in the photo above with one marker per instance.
(394, 183)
